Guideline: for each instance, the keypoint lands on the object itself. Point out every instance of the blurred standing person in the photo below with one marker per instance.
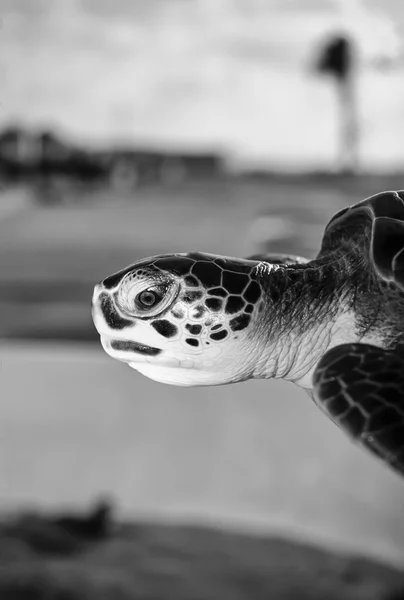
(337, 59)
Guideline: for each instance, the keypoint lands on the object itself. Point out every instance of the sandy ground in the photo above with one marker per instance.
(145, 561)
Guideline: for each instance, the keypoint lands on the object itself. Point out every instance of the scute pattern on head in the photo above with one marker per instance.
(213, 287)
(165, 328)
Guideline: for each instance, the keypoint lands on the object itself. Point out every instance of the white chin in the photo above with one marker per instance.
(176, 375)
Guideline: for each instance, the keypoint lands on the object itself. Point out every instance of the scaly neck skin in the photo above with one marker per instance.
(309, 309)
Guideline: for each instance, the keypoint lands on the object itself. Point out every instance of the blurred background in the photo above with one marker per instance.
(135, 127)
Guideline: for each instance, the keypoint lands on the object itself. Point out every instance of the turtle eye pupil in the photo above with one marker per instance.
(147, 299)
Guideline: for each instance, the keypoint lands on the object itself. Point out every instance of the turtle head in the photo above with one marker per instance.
(185, 319)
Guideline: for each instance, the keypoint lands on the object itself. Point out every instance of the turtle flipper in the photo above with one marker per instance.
(361, 388)
(279, 259)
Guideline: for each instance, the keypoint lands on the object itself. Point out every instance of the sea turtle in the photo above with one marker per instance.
(333, 325)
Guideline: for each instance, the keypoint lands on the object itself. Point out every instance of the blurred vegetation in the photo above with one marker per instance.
(51, 164)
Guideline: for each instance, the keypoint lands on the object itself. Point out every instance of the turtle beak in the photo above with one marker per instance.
(95, 307)
(98, 288)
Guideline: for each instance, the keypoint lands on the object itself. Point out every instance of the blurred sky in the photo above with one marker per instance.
(231, 74)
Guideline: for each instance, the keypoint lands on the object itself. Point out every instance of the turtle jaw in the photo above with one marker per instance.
(126, 351)
(178, 375)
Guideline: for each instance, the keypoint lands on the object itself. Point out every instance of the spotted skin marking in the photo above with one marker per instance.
(190, 296)
(220, 335)
(209, 285)
(234, 304)
(177, 313)
(192, 281)
(204, 274)
(208, 273)
(253, 293)
(124, 346)
(221, 280)
(240, 322)
(234, 283)
(214, 304)
(111, 315)
(165, 328)
(199, 311)
(194, 329)
(218, 292)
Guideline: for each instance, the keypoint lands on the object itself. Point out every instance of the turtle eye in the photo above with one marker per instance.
(144, 297)
(148, 299)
